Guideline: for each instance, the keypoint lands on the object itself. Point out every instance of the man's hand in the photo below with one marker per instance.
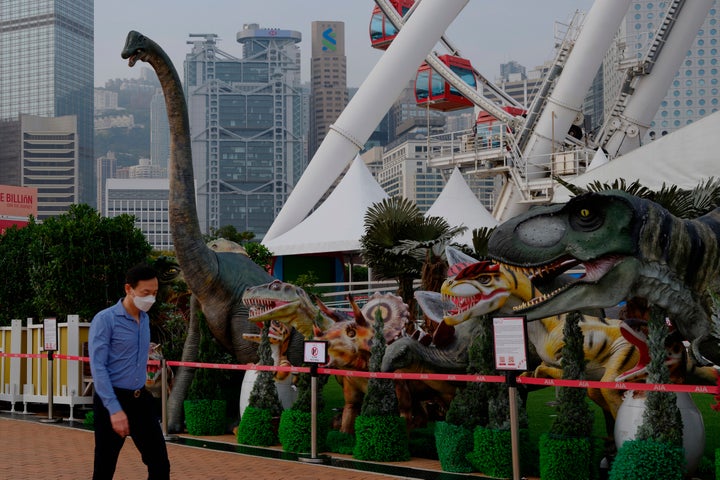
(120, 423)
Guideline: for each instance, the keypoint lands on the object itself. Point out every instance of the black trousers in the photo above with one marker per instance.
(145, 432)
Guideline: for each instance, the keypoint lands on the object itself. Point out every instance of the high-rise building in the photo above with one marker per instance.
(46, 53)
(148, 201)
(693, 93)
(159, 131)
(106, 168)
(246, 123)
(328, 79)
(49, 161)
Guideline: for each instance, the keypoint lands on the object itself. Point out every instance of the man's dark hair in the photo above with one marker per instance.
(139, 272)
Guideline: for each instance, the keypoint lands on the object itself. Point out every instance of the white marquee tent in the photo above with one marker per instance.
(684, 158)
(337, 224)
(459, 206)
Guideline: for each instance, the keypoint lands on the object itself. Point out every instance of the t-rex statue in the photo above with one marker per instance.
(217, 280)
(630, 248)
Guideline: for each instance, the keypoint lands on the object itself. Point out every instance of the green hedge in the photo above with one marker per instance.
(492, 452)
(453, 443)
(295, 431)
(205, 417)
(381, 439)
(257, 427)
(648, 460)
(340, 442)
(569, 458)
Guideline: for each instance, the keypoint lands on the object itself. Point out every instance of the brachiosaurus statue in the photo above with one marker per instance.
(217, 280)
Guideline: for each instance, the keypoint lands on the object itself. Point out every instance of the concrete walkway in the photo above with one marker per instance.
(31, 450)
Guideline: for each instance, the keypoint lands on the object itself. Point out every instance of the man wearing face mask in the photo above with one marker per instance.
(119, 342)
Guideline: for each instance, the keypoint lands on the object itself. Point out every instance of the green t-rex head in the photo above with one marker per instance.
(627, 247)
(599, 232)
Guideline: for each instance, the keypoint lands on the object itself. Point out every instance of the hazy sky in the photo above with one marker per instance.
(488, 32)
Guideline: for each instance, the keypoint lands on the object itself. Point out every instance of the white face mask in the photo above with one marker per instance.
(144, 303)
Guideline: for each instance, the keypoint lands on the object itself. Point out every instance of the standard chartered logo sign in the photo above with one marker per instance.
(328, 40)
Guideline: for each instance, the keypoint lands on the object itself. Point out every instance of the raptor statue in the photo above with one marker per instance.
(630, 248)
(348, 335)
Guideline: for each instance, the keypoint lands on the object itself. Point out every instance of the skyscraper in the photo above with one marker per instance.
(46, 53)
(328, 74)
(246, 118)
(693, 93)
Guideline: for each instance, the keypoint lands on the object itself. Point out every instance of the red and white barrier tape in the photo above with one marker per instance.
(545, 382)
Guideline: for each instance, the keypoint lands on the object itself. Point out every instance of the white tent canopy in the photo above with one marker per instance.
(338, 223)
(459, 206)
(684, 158)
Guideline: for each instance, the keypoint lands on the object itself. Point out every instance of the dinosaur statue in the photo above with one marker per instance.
(630, 248)
(217, 280)
(153, 379)
(349, 340)
(279, 335)
(486, 287)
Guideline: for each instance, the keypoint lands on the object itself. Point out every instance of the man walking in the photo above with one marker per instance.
(119, 342)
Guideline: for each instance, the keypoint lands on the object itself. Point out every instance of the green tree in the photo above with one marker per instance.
(78, 261)
(16, 294)
(387, 225)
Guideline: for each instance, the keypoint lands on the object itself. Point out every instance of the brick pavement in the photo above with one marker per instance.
(33, 450)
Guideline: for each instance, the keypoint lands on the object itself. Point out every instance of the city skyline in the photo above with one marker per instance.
(526, 37)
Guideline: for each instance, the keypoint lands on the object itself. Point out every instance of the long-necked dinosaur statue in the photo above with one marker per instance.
(630, 248)
(217, 280)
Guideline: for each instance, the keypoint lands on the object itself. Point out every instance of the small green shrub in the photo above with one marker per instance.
(381, 439)
(492, 452)
(89, 420)
(340, 442)
(295, 431)
(568, 458)
(257, 428)
(205, 417)
(453, 443)
(648, 460)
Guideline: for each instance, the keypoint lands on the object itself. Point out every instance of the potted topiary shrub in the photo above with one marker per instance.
(380, 431)
(657, 450)
(568, 452)
(205, 407)
(259, 422)
(492, 445)
(296, 422)
(469, 409)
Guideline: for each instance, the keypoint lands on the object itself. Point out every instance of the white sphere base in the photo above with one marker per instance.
(286, 392)
(629, 418)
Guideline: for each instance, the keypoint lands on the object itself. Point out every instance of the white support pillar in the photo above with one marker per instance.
(566, 99)
(365, 110)
(652, 88)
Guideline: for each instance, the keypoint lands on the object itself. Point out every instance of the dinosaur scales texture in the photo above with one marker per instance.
(630, 248)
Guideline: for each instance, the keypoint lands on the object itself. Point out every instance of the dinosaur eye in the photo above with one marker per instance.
(350, 332)
(484, 279)
(585, 218)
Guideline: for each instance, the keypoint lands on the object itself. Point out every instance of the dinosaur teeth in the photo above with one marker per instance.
(540, 299)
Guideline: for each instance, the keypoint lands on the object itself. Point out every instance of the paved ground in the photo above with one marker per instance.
(30, 450)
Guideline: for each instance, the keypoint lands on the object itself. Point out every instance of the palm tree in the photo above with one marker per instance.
(679, 202)
(399, 239)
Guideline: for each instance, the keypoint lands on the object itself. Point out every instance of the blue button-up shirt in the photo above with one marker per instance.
(118, 352)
